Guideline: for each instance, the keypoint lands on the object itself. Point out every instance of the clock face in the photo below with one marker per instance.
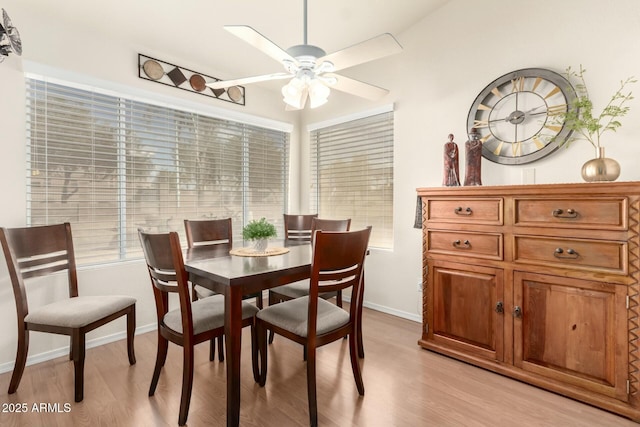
(519, 115)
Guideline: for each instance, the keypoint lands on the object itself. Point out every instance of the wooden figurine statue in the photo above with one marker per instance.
(451, 169)
(474, 157)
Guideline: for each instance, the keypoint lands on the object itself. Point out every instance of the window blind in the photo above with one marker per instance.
(109, 165)
(352, 174)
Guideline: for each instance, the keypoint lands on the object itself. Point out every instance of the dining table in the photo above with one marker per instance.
(235, 276)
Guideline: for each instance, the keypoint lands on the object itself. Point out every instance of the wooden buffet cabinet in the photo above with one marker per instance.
(539, 283)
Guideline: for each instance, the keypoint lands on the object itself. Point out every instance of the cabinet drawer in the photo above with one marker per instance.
(479, 245)
(580, 212)
(595, 255)
(470, 210)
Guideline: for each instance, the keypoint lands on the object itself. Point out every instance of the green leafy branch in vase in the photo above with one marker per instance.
(261, 229)
(580, 117)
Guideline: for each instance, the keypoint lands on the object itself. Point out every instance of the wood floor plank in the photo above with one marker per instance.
(404, 386)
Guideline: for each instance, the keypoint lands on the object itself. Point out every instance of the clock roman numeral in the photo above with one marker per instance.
(539, 143)
(496, 92)
(480, 123)
(554, 110)
(516, 149)
(486, 138)
(553, 128)
(536, 83)
(484, 107)
(517, 85)
(498, 149)
(555, 90)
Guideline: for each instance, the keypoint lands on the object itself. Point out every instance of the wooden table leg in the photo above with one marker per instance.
(233, 339)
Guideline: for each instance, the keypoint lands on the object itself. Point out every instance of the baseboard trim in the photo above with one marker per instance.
(64, 351)
(391, 311)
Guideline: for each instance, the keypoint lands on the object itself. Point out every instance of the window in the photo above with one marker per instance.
(108, 165)
(352, 174)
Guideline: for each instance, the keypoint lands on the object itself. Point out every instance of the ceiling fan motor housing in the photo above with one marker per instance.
(306, 50)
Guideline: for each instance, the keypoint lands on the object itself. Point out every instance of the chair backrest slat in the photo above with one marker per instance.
(338, 261)
(165, 264)
(329, 225)
(38, 251)
(298, 227)
(208, 232)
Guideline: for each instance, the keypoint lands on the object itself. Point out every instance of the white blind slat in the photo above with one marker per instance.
(352, 174)
(109, 164)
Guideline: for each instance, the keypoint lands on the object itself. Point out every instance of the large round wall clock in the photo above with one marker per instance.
(519, 116)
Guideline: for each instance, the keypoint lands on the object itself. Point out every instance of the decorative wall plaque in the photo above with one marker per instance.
(182, 78)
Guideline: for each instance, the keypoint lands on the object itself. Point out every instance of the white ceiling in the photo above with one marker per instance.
(191, 31)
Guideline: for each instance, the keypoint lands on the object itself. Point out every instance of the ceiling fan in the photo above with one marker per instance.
(311, 70)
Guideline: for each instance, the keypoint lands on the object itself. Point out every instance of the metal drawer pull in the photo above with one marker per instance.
(517, 311)
(463, 245)
(459, 211)
(559, 213)
(570, 254)
(499, 307)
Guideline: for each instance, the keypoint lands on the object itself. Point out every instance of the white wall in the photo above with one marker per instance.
(448, 58)
(110, 63)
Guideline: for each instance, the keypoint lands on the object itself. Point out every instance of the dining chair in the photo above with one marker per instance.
(297, 228)
(190, 324)
(337, 264)
(40, 252)
(215, 234)
(301, 288)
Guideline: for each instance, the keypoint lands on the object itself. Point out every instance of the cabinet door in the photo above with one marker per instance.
(573, 331)
(466, 308)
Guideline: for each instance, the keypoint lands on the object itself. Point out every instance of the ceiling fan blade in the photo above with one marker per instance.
(356, 87)
(260, 42)
(369, 50)
(221, 84)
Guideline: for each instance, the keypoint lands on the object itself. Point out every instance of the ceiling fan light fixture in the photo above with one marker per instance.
(292, 93)
(318, 93)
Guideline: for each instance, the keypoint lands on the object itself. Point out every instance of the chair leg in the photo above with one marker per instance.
(21, 360)
(311, 386)
(355, 366)
(254, 352)
(259, 303)
(161, 357)
(272, 301)
(70, 348)
(212, 350)
(187, 384)
(221, 348)
(78, 363)
(131, 332)
(261, 336)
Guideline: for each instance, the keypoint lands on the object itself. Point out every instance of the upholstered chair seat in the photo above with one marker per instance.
(207, 313)
(79, 311)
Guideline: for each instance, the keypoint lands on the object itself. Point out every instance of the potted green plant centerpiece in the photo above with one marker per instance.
(586, 124)
(259, 231)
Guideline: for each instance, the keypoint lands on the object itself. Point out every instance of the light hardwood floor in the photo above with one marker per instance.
(405, 386)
